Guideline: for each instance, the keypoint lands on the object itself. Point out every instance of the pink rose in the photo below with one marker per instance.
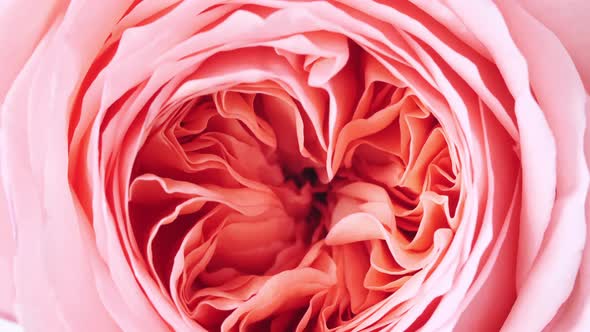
(282, 165)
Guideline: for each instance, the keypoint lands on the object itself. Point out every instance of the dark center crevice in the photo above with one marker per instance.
(318, 207)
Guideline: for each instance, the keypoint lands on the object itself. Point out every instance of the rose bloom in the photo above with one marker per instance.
(273, 165)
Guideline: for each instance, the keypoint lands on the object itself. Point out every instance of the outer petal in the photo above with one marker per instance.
(8, 326)
(537, 144)
(574, 314)
(568, 20)
(560, 93)
(31, 19)
(52, 232)
(7, 251)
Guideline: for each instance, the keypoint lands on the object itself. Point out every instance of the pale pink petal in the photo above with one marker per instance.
(7, 252)
(558, 88)
(569, 22)
(32, 20)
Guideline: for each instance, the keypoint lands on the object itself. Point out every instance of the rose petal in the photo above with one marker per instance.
(7, 252)
(558, 88)
(569, 24)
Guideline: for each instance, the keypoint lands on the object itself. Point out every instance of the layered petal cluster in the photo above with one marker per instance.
(295, 166)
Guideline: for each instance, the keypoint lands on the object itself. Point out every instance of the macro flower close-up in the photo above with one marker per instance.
(294, 165)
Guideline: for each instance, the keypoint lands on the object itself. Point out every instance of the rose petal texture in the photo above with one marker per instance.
(567, 23)
(294, 165)
(7, 251)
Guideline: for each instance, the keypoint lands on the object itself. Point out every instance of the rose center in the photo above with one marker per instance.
(317, 208)
(239, 190)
